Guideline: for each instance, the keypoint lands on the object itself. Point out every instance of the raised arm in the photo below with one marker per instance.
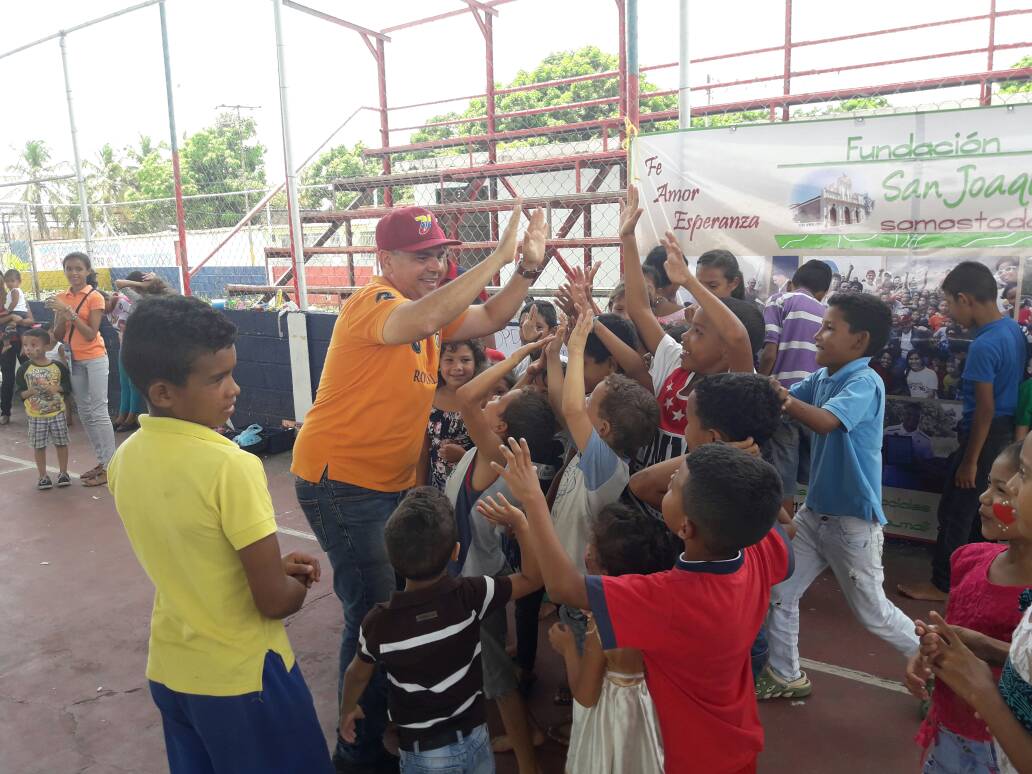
(637, 296)
(575, 409)
(730, 328)
(499, 309)
(630, 362)
(650, 484)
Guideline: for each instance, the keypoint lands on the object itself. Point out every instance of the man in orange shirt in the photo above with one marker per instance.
(357, 450)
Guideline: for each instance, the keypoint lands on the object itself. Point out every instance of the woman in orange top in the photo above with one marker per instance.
(77, 316)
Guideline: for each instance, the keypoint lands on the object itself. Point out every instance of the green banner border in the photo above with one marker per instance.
(968, 240)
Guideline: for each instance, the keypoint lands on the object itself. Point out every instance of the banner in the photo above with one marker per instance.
(948, 182)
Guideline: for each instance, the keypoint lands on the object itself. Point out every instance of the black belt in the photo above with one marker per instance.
(436, 739)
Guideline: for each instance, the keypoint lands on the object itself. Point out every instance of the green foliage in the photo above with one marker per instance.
(335, 164)
(1013, 87)
(557, 66)
(845, 106)
(34, 163)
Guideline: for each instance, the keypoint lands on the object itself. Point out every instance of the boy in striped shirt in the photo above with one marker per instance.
(789, 354)
(427, 638)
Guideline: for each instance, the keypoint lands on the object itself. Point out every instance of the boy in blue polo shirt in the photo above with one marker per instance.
(840, 525)
(989, 387)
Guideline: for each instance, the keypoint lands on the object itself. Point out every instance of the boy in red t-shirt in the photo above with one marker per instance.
(694, 624)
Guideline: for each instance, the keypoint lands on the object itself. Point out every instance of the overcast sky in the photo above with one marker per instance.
(223, 52)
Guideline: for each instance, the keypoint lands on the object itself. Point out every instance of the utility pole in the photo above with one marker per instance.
(243, 166)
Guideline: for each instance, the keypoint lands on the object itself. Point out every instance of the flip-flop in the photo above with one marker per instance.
(91, 474)
(98, 480)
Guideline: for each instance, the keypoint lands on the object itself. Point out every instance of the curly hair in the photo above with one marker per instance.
(475, 346)
(739, 406)
(166, 334)
(631, 411)
(629, 542)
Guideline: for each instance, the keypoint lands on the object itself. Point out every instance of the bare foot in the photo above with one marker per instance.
(924, 591)
(501, 744)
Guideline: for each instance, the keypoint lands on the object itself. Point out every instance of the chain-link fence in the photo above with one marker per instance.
(555, 134)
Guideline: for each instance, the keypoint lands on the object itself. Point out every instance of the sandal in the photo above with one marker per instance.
(98, 480)
(92, 473)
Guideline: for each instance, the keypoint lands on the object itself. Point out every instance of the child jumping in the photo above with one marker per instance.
(840, 524)
(221, 669)
(43, 383)
(983, 610)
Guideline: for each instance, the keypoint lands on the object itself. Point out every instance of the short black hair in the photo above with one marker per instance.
(135, 276)
(676, 330)
(732, 497)
(37, 333)
(632, 413)
(726, 261)
(656, 260)
(864, 312)
(630, 542)
(752, 318)
(973, 278)
(739, 406)
(622, 328)
(12, 274)
(813, 275)
(421, 534)
(166, 334)
(530, 417)
(546, 310)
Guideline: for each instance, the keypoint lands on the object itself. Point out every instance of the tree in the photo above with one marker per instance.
(335, 164)
(557, 66)
(34, 163)
(108, 183)
(1013, 87)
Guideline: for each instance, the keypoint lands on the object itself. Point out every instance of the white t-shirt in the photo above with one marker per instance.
(21, 306)
(593, 479)
(923, 383)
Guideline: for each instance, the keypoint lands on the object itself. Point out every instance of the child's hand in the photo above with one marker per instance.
(579, 335)
(519, 471)
(347, 724)
(528, 326)
(676, 267)
(561, 638)
(302, 567)
(916, 677)
(555, 346)
(564, 300)
(968, 676)
(451, 452)
(783, 394)
(533, 346)
(502, 512)
(630, 213)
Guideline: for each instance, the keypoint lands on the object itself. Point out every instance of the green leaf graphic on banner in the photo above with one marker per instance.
(974, 240)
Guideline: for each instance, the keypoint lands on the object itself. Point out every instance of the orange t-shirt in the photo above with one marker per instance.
(369, 418)
(81, 348)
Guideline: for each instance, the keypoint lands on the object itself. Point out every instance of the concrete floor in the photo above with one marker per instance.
(75, 607)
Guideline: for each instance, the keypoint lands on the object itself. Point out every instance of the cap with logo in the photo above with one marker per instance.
(411, 229)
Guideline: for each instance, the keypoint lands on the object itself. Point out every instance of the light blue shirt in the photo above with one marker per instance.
(846, 464)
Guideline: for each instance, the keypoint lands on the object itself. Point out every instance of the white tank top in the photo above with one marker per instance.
(21, 306)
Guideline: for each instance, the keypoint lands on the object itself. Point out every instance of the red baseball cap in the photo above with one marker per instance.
(411, 229)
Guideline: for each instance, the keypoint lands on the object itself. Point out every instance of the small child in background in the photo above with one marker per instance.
(446, 437)
(41, 384)
(57, 354)
(428, 639)
(537, 319)
(15, 305)
(987, 581)
(722, 504)
(614, 720)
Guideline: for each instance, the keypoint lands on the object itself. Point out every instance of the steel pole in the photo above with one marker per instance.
(633, 72)
(32, 251)
(294, 214)
(83, 206)
(684, 94)
(177, 176)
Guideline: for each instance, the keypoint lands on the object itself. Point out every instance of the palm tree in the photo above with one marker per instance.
(34, 163)
(108, 181)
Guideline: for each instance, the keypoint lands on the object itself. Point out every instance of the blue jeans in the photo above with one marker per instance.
(348, 521)
(470, 754)
(273, 731)
(760, 652)
(953, 754)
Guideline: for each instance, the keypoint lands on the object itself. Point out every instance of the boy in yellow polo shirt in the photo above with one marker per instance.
(198, 514)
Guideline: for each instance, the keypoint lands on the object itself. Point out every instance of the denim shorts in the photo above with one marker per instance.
(951, 752)
(469, 754)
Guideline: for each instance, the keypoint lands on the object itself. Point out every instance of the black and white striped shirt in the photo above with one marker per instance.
(428, 641)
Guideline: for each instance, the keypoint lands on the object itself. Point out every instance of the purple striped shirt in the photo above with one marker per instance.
(792, 320)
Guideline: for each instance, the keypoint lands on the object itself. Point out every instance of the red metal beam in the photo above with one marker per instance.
(335, 20)
(987, 90)
(438, 17)
(385, 132)
(611, 241)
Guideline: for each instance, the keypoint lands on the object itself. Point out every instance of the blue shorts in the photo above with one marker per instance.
(274, 731)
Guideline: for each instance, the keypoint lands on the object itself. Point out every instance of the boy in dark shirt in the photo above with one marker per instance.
(428, 638)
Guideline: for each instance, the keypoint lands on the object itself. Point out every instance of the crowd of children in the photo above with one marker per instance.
(640, 467)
